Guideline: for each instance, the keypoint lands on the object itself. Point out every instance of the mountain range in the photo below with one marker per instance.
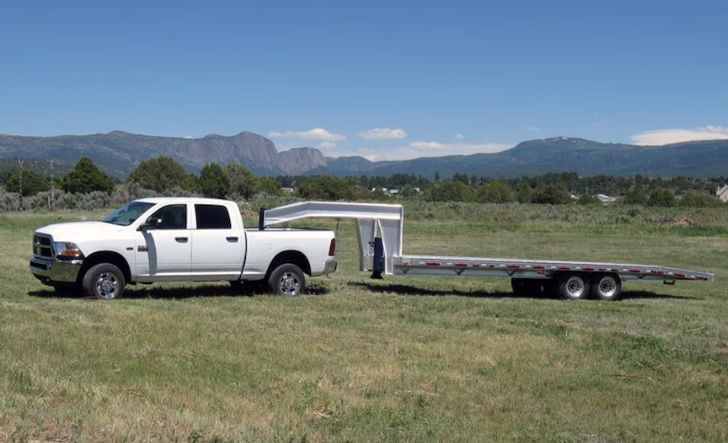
(119, 152)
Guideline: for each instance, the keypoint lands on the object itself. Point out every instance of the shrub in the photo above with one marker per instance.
(214, 181)
(496, 192)
(635, 197)
(326, 188)
(694, 199)
(450, 191)
(85, 177)
(551, 194)
(661, 197)
(589, 199)
(162, 174)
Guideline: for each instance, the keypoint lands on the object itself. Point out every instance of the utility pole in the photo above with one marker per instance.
(52, 194)
(20, 185)
(20, 177)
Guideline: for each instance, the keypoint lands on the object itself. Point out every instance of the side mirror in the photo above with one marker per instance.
(151, 223)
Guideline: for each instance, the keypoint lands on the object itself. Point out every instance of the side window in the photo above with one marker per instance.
(172, 217)
(212, 217)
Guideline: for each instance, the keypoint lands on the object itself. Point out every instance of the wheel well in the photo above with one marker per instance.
(294, 257)
(105, 257)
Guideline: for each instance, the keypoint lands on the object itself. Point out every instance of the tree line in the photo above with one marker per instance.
(165, 176)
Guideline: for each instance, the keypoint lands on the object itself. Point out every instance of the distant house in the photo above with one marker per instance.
(722, 194)
(606, 199)
(386, 191)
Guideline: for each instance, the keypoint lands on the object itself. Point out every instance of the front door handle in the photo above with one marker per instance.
(231, 239)
(181, 239)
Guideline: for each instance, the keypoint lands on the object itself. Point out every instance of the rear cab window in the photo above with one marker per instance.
(212, 217)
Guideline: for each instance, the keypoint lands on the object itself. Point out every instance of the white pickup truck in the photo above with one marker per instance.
(177, 239)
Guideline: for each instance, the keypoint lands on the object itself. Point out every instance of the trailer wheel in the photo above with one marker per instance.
(573, 286)
(606, 286)
(104, 281)
(287, 279)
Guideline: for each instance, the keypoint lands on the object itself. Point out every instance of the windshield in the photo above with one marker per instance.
(126, 215)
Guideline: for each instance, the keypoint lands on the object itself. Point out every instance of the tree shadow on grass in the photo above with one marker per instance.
(179, 293)
(401, 289)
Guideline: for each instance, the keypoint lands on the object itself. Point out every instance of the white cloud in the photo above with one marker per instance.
(431, 149)
(383, 134)
(666, 136)
(312, 134)
(327, 145)
(532, 128)
(427, 146)
(459, 136)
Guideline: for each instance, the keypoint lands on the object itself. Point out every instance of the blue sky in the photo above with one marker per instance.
(392, 79)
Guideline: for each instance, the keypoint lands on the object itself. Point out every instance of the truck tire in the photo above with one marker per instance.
(573, 287)
(104, 281)
(287, 279)
(606, 287)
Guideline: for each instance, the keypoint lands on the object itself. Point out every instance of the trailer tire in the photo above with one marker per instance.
(287, 279)
(573, 286)
(606, 287)
(104, 281)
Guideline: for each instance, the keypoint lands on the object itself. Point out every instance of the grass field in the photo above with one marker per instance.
(415, 359)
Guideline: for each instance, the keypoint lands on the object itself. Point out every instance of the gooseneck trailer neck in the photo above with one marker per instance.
(379, 229)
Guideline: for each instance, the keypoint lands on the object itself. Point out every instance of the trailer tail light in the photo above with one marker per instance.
(332, 247)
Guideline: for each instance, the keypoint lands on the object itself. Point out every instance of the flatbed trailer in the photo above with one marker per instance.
(380, 235)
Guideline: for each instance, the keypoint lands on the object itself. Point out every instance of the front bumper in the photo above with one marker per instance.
(50, 271)
(330, 266)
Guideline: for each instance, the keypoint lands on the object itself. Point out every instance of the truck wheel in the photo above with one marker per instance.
(573, 287)
(287, 279)
(104, 281)
(606, 286)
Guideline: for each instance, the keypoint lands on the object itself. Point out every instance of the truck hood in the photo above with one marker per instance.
(74, 231)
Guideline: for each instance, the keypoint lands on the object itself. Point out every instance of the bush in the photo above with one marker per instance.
(85, 177)
(326, 188)
(551, 194)
(694, 199)
(588, 199)
(661, 197)
(214, 181)
(496, 192)
(450, 191)
(163, 174)
(635, 197)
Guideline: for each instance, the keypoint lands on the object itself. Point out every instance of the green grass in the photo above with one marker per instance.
(405, 358)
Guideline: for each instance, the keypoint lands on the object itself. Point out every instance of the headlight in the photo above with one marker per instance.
(67, 250)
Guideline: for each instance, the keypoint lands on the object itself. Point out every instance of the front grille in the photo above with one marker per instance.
(42, 246)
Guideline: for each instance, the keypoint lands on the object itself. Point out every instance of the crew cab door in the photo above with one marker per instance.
(217, 249)
(164, 250)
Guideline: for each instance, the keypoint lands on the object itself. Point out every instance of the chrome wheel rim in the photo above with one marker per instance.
(107, 285)
(289, 284)
(607, 286)
(575, 286)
